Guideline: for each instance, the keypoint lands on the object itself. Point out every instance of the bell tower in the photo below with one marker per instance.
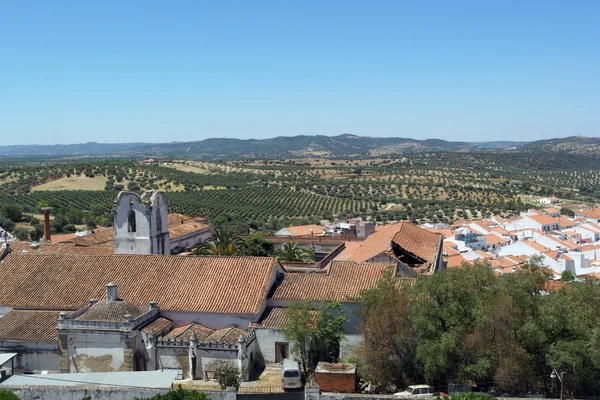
(141, 223)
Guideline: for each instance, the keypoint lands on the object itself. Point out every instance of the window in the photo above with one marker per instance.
(131, 221)
(291, 374)
(158, 221)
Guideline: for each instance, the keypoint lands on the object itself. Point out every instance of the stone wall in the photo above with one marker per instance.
(96, 393)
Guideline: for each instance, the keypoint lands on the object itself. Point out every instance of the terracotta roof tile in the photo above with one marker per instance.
(274, 318)
(305, 230)
(211, 284)
(418, 241)
(206, 335)
(29, 325)
(377, 242)
(111, 311)
(64, 247)
(158, 326)
(344, 281)
(187, 228)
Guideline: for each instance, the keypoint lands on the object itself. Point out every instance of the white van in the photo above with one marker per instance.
(290, 374)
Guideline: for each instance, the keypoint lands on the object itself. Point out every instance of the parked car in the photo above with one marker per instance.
(290, 375)
(417, 391)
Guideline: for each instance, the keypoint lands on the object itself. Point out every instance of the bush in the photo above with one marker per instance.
(228, 375)
(21, 234)
(7, 395)
(179, 394)
(472, 396)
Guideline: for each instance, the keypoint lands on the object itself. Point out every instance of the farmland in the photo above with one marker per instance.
(268, 194)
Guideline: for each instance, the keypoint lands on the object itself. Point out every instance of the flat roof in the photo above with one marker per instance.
(6, 357)
(141, 379)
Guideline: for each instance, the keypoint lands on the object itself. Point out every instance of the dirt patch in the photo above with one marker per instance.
(80, 182)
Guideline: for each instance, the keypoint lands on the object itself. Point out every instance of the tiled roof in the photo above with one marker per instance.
(206, 335)
(101, 236)
(494, 239)
(551, 211)
(158, 326)
(455, 261)
(29, 325)
(376, 243)
(305, 230)
(274, 318)
(211, 284)
(344, 281)
(418, 241)
(186, 228)
(111, 311)
(64, 247)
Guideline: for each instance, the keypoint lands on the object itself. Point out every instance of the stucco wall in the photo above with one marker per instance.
(96, 352)
(32, 356)
(266, 339)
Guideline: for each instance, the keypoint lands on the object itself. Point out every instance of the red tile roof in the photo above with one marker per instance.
(206, 335)
(418, 241)
(274, 318)
(376, 243)
(211, 284)
(306, 230)
(344, 281)
(29, 325)
(544, 219)
(158, 326)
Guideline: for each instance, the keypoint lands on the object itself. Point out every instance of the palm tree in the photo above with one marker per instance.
(223, 243)
(291, 252)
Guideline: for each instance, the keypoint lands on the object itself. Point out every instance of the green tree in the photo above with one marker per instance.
(256, 245)
(292, 252)
(315, 334)
(567, 276)
(14, 212)
(21, 234)
(386, 352)
(228, 375)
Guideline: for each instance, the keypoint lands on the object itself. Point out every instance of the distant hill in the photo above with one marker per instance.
(342, 146)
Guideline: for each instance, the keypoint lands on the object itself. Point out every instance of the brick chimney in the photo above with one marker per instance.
(46, 211)
(111, 292)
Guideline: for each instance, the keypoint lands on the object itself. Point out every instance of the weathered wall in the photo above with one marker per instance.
(77, 393)
(98, 352)
(266, 339)
(177, 357)
(32, 356)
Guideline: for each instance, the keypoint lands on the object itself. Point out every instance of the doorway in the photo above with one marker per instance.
(282, 351)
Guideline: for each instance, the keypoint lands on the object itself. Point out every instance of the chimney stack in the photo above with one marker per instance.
(46, 211)
(152, 305)
(111, 292)
(92, 302)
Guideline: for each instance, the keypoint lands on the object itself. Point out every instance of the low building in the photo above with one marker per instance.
(336, 377)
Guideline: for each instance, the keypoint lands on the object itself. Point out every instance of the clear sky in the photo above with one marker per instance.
(153, 71)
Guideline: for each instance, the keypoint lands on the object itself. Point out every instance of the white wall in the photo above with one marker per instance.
(95, 352)
(32, 356)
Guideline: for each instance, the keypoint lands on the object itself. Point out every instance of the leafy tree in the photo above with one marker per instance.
(21, 234)
(14, 212)
(567, 276)
(387, 349)
(256, 245)
(567, 212)
(315, 334)
(292, 252)
(228, 375)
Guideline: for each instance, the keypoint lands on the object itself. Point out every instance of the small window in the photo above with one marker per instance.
(131, 221)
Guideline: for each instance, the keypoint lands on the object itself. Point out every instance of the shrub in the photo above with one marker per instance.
(7, 395)
(179, 394)
(228, 375)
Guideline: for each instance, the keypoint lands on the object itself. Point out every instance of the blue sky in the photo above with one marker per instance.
(122, 71)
